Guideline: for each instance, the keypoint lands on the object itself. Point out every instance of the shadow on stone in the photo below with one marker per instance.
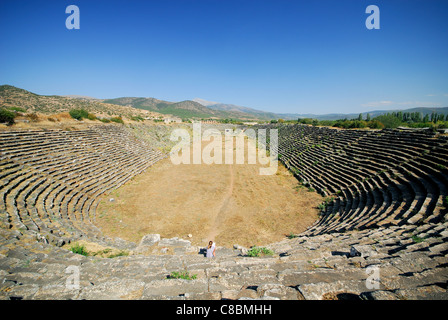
(340, 253)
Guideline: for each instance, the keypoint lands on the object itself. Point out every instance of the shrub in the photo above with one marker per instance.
(7, 116)
(78, 114)
(117, 120)
(91, 117)
(105, 120)
(357, 124)
(443, 125)
(389, 121)
(375, 124)
(79, 249)
(137, 118)
(305, 121)
(258, 251)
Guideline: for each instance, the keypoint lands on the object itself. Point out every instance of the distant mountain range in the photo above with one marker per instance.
(195, 108)
(293, 116)
(183, 109)
(231, 108)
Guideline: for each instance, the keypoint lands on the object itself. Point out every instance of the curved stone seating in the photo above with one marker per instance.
(355, 168)
(385, 210)
(65, 171)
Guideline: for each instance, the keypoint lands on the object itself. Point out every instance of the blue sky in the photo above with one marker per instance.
(281, 56)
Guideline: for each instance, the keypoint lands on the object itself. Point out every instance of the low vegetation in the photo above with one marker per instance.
(117, 120)
(7, 116)
(82, 249)
(323, 206)
(182, 275)
(137, 118)
(417, 239)
(79, 249)
(78, 114)
(259, 251)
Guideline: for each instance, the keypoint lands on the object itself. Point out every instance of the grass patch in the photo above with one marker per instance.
(417, 239)
(121, 253)
(260, 251)
(93, 250)
(182, 275)
(79, 249)
(323, 206)
(109, 253)
(18, 109)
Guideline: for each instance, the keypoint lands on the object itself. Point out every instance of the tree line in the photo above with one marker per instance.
(389, 120)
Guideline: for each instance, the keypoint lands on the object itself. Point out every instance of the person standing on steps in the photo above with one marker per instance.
(209, 250)
(213, 249)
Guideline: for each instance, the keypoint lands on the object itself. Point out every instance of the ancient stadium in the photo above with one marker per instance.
(99, 212)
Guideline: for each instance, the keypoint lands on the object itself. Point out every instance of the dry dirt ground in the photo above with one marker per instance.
(227, 203)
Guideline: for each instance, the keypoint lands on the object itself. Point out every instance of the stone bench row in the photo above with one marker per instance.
(307, 267)
(54, 196)
(346, 172)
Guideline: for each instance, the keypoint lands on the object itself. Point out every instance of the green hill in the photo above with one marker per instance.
(29, 102)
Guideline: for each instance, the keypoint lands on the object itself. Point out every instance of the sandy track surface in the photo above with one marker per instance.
(227, 203)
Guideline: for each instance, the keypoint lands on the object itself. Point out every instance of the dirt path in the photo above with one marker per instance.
(221, 213)
(228, 203)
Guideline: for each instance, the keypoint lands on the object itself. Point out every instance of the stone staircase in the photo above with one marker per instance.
(384, 263)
